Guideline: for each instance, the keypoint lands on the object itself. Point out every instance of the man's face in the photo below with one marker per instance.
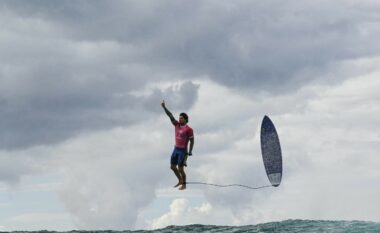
(182, 120)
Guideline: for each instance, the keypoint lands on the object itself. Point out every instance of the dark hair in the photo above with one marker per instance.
(184, 115)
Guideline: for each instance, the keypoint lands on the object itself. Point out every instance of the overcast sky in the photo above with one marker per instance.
(84, 143)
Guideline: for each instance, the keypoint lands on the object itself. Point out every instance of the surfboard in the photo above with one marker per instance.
(271, 151)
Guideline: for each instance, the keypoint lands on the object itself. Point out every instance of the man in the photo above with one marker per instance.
(183, 134)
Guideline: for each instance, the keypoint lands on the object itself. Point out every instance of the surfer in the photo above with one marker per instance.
(183, 135)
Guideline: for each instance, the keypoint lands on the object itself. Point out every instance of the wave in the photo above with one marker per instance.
(287, 226)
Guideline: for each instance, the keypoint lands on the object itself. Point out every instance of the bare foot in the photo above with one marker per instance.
(179, 183)
(183, 187)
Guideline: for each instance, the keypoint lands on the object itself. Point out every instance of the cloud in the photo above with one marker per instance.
(181, 213)
(52, 116)
(69, 68)
(17, 164)
(237, 44)
(106, 186)
(54, 87)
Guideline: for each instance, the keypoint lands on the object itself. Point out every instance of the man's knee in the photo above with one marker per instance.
(180, 168)
(173, 167)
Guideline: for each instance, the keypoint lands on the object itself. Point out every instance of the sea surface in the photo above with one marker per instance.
(308, 226)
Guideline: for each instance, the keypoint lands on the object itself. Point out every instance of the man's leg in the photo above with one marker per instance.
(183, 175)
(177, 174)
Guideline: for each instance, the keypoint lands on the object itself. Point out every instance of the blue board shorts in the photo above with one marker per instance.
(178, 156)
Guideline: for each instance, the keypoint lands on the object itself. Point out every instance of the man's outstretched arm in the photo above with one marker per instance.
(170, 115)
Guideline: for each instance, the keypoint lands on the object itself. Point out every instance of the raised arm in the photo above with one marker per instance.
(170, 115)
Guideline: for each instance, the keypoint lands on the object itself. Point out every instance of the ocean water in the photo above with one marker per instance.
(307, 226)
(288, 226)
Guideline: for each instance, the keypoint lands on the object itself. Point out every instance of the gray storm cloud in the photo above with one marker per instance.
(237, 44)
(69, 66)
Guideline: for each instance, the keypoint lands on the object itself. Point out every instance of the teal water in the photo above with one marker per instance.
(288, 226)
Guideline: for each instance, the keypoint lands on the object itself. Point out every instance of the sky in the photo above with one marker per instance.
(85, 144)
